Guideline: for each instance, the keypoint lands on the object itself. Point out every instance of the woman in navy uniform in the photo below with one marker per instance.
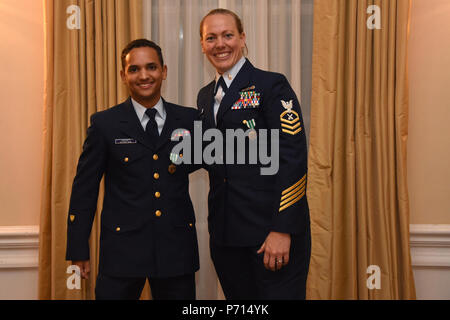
(259, 224)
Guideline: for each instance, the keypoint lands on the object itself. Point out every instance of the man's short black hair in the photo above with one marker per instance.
(139, 43)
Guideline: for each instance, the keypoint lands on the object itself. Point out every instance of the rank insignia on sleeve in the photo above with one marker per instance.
(293, 194)
(290, 121)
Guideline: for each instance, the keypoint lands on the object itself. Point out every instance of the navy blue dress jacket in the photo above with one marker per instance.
(244, 206)
(147, 221)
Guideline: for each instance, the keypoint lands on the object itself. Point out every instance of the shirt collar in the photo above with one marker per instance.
(229, 75)
(140, 109)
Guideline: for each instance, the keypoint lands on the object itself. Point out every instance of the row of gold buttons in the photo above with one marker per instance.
(158, 213)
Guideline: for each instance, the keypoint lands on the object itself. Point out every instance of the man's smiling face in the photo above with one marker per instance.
(143, 74)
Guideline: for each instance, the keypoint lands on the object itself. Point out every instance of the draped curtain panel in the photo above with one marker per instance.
(357, 187)
(274, 38)
(83, 43)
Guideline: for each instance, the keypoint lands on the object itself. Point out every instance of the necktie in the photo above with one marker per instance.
(219, 93)
(221, 83)
(152, 127)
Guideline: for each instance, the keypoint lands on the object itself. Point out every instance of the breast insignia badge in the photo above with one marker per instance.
(290, 121)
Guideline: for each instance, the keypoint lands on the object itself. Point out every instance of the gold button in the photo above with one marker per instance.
(126, 159)
(156, 175)
(118, 229)
(190, 224)
(155, 157)
(157, 194)
(158, 213)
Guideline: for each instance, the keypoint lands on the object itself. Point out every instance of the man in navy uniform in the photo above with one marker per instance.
(147, 223)
(259, 224)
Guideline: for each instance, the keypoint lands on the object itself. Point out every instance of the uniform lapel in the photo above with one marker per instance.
(131, 126)
(207, 102)
(241, 81)
(169, 125)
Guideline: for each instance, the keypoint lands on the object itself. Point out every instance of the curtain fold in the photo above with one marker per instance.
(357, 188)
(81, 77)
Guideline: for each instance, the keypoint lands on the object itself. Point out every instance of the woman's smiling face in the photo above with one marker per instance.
(221, 41)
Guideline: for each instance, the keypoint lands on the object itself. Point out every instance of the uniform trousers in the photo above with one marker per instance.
(243, 276)
(119, 288)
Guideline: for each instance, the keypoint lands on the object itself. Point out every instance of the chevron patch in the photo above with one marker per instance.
(290, 121)
(293, 194)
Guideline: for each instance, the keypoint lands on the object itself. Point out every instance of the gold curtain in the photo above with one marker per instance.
(357, 161)
(81, 77)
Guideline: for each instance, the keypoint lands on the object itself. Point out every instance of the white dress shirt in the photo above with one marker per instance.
(228, 76)
(160, 116)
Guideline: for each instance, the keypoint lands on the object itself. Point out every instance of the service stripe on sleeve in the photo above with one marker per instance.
(293, 201)
(294, 186)
(293, 194)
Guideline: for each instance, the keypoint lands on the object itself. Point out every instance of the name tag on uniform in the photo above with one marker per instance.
(124, 141)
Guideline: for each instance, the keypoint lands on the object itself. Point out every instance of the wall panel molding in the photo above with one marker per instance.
(430, 245)
(430, 257)
(19, 247)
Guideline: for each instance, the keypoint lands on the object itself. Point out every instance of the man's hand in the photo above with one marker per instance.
(276, 250)
(85, 268)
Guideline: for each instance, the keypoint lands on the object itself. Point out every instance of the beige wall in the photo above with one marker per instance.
(21, 91)
(429, 116)
(22, 50)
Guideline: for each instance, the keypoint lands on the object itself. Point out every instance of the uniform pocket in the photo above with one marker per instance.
(128, 154)
(121, 225)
